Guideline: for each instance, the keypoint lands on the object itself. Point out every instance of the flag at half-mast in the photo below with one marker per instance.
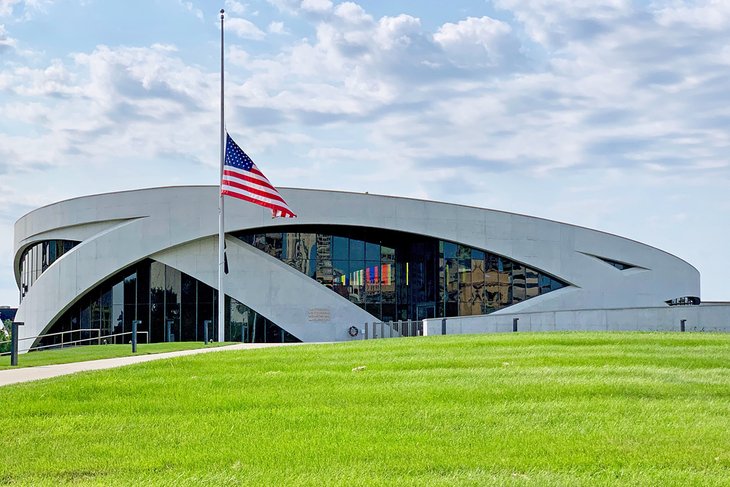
(243, 180)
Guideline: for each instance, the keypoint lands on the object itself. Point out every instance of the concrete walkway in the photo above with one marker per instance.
(27, 374)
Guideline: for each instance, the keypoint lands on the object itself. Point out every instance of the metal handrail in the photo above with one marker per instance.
(146, 338)
(97, 330)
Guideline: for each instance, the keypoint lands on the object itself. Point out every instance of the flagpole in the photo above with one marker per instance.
(221, 231)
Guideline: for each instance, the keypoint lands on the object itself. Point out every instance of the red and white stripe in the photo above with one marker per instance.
(253, 186)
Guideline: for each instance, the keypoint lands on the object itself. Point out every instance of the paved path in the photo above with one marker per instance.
(27, 374)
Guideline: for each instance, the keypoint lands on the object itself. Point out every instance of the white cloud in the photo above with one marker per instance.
(353, 14)
(235, 7)
(134, 103)
(6, 42)
(53, 81)
(553, 23)
(316, 6)
(164, 47)
(237, 56)
(704, 14)
(191, 8)
(277, 28)
(6, 7)
(398, 30)
(289, 6)
(484, 41)
(244, 28)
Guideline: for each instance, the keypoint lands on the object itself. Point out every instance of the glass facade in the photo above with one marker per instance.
(37, 258)
(246, 325)
(392, 275)
(171, 306)
(399, 276)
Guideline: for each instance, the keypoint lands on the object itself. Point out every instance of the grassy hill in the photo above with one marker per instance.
(509, 409)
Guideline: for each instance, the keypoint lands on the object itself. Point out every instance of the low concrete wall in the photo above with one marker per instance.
(709, 317)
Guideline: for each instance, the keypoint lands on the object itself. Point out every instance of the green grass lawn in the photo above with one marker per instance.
(95, 352)
(506, 409)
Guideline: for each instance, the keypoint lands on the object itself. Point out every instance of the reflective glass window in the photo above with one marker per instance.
(372, 281)
(37, 258)
(357, 250)
(372, 251)
(173, 282)
(188, 307)
(387, 255)
(418, 275)
(518, 282)
(532, 285)
(340, 248)
(157, 301)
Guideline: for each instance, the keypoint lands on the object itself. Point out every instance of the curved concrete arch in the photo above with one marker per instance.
(169, 224)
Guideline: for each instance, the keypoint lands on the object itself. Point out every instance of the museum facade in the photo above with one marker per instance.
(100, 262)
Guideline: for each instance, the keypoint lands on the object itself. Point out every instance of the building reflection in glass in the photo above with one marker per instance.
(396, 275)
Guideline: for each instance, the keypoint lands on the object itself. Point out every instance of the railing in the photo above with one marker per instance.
(98, 338)
(392, 329)
(62, 333)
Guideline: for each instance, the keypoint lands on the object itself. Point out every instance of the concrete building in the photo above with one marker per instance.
(99, 262)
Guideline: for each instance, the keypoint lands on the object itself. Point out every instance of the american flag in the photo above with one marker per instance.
(243, 180)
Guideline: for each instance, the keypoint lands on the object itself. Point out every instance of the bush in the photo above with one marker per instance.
(5, 336)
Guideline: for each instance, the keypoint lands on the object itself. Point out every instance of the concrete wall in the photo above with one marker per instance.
(715, 317)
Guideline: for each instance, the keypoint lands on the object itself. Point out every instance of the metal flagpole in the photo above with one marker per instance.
(221, 232)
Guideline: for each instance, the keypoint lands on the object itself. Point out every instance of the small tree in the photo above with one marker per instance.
(5, 336)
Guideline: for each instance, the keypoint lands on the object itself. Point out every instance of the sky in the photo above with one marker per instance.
(609, 114)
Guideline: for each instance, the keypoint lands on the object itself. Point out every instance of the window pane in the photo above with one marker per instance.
(341, 277)
(372, 251)
(372, 282)
(356, 276)
(518, 283)
(172, 301)
(387, 255)
(157, 301)
(340, 248)
(188, 296)
(387, 283)
(531, 283)
(449, 250)
(357, 250)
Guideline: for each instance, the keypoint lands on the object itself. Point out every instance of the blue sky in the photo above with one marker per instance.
(610, 114)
